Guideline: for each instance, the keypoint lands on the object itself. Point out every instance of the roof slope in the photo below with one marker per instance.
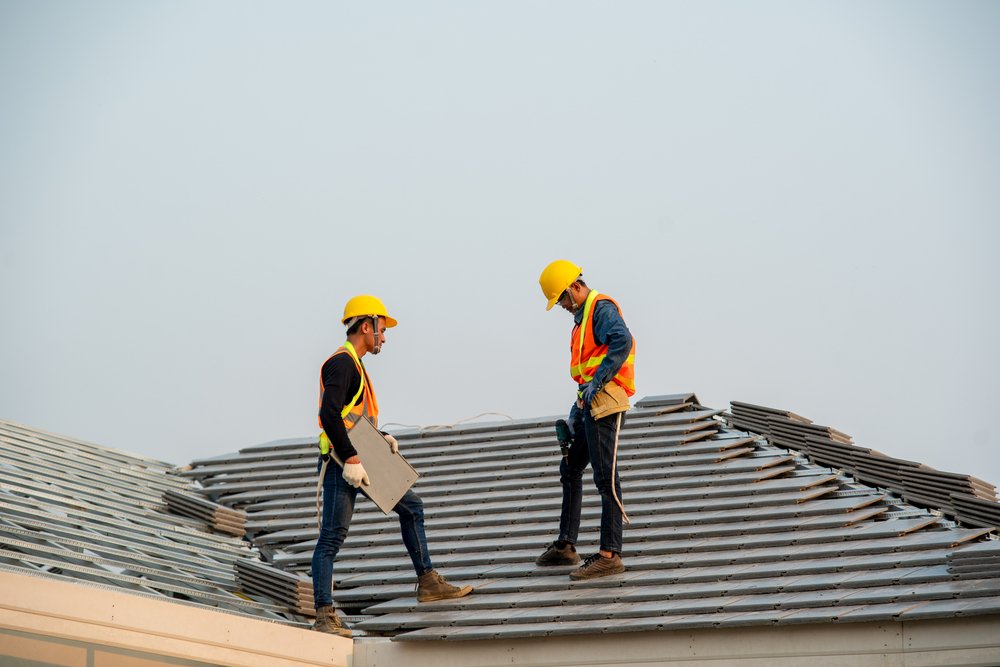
(75, 510)
(727, 530)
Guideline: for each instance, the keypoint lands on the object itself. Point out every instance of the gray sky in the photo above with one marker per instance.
(795, 204)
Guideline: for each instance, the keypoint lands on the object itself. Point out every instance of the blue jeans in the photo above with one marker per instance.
(338, 508)
(593, 443)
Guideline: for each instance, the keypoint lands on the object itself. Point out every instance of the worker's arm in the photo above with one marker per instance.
(610, 330)
(341, 381)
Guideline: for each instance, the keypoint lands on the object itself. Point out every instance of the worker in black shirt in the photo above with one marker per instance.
(346, 396)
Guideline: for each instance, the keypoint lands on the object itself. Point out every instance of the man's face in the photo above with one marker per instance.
(567, 301)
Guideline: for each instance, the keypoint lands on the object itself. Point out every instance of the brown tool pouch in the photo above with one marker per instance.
(610, 400)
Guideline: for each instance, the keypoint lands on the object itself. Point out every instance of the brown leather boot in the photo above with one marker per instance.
(598, 566)
(432, 586)
(328, 621)
(559, 555)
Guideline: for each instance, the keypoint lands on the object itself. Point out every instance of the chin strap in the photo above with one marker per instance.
(573, 305)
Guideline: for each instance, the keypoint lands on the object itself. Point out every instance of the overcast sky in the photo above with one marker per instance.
(796, 204)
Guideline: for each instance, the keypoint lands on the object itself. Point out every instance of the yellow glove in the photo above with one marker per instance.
(324, 444)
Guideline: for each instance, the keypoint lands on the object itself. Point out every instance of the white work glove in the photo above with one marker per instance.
(393, 445)
(355, 475)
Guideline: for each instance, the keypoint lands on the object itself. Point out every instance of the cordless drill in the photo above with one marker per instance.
(564, 436)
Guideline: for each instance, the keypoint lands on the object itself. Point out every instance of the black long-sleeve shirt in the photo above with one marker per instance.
(341, 381)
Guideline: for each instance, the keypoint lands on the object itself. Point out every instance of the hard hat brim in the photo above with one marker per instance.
(389, 322)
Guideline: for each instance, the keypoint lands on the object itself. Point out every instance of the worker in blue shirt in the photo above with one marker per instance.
(602, 357)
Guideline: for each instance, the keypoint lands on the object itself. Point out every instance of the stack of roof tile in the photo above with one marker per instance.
(967, 498)
(975, 510)
(783, 427)
(977, 561)
(219, 517)
(259, 579)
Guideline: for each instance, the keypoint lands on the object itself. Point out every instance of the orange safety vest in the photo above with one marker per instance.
(354, 409)
(586, 355)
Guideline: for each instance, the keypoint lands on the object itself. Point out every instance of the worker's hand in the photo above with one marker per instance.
(589, 392)
(393, 445)
(355, 475)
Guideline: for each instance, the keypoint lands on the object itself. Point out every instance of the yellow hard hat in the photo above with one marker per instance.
(366, 305)
(556, 277)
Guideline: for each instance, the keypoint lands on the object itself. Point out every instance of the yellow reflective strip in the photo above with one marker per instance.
(361, 385)
(351, 351)
(593, 362)
(581, 370)
(583, 327)
(596, 361)
(586, 318)
(350, 406)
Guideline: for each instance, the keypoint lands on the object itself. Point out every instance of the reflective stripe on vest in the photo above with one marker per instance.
(354, 409)
(586, 355)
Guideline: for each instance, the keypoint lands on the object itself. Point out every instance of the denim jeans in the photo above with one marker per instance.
(593, 443)
(338, 508)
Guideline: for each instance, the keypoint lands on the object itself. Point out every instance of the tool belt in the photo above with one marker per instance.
(610, 400)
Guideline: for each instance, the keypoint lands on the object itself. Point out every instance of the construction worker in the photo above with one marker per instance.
(346, 395)
(602, 354)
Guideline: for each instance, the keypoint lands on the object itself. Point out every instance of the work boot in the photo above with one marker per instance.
(327, 621)
(431, 586)
(598, 566)
(555, 554)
